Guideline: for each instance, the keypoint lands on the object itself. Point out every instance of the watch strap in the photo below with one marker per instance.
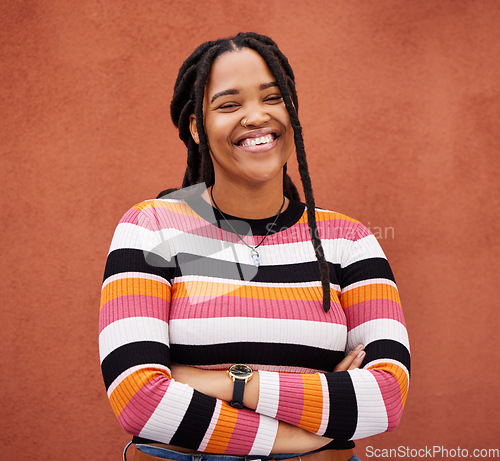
(238, 391)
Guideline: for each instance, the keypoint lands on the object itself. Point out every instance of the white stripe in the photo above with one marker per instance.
(129, 235)
(363, 283)
(302, 252)
(205, 331)
(326, 404)
(131, 370)
(171, 241)
(372, 414)
(211, 426)
(134, 275)
(374, 330)
(170, 412)
(269, 390)
(130, 330)
(364, 248)
(264, 439)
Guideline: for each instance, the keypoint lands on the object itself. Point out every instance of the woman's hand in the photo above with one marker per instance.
(352, 360)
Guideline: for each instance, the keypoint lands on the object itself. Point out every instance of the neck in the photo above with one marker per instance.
(249, 203)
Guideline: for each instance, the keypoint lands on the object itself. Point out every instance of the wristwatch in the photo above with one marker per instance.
(240, 374)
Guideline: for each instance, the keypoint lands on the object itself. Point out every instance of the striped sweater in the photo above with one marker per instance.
(180, 286)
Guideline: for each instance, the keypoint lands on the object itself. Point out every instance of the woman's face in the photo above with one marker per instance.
(241, 90)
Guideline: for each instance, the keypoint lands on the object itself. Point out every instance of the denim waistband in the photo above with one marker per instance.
(178, 456)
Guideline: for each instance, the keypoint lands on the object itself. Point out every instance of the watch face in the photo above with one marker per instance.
(240, 371)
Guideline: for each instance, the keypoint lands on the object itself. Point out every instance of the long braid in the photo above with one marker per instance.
(303, 168)
(189, 93)
(204, 71)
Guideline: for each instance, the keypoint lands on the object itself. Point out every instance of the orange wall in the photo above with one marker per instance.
(400, 103)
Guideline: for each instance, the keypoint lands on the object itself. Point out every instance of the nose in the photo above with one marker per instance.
(255, 117)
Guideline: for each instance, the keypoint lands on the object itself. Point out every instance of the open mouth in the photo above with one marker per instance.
(250, 142)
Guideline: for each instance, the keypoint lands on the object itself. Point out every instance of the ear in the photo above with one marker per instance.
(193, 127)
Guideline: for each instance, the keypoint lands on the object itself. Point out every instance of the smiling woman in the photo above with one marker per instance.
(236, 320)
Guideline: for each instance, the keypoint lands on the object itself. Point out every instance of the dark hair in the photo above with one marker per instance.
(189, 92)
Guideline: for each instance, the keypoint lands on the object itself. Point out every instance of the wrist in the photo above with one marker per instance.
(240, 374)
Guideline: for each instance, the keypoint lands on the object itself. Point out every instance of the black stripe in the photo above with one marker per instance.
(133, 354)
(387, 348)
(185, 264)
(366, 269)
(133, 260)
(194, 265)
(286, 219)
(195, 422)
(257, 353)
(343, 406)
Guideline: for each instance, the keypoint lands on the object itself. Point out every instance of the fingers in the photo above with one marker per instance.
(352, 360)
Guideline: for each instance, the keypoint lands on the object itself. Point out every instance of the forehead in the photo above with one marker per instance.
(238, 69)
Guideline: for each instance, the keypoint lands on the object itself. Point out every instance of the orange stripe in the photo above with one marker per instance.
(313, 406)
(202, 288)
(223, 430)
(134, 286)
(398, 373)
(122, 394)
(332, 216)
(180, 208)
(327, 216)
(369, 292)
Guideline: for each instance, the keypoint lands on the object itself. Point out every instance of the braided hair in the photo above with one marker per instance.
(189, 93)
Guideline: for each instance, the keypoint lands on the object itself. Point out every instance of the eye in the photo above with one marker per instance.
(274, 99)
(228, 106)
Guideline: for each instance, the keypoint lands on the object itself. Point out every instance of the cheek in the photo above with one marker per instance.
(218, 131)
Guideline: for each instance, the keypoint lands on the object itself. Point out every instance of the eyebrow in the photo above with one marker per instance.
(263, 86)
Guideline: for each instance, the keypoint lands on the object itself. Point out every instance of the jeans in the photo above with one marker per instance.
(170, 454)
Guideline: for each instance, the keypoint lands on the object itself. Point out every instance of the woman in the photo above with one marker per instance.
(227, 307)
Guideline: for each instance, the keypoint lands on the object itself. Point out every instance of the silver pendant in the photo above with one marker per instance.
(255, 257)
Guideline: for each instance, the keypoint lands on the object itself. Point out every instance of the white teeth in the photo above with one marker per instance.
(256, 141)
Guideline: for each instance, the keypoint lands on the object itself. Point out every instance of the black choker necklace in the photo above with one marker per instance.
(253, 250)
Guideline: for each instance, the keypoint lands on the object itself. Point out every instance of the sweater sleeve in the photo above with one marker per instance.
(366, 401)
(135, 354)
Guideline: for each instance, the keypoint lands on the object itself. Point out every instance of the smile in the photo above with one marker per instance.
(247, 142)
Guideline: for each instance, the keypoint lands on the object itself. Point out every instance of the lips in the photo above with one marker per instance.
(258, 140)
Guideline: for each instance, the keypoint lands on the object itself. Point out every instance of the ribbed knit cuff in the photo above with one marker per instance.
(266, 435)
(269, 392)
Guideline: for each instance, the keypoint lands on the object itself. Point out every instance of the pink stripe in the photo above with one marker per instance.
(373, 309)
(125, 307)
(336, 227)
(255, 308)
(161, 218)
(391, 394)
(245, 431)
(143, 404)
(333, 229)
(291, 398)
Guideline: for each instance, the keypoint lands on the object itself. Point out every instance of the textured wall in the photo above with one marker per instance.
(400, 103)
